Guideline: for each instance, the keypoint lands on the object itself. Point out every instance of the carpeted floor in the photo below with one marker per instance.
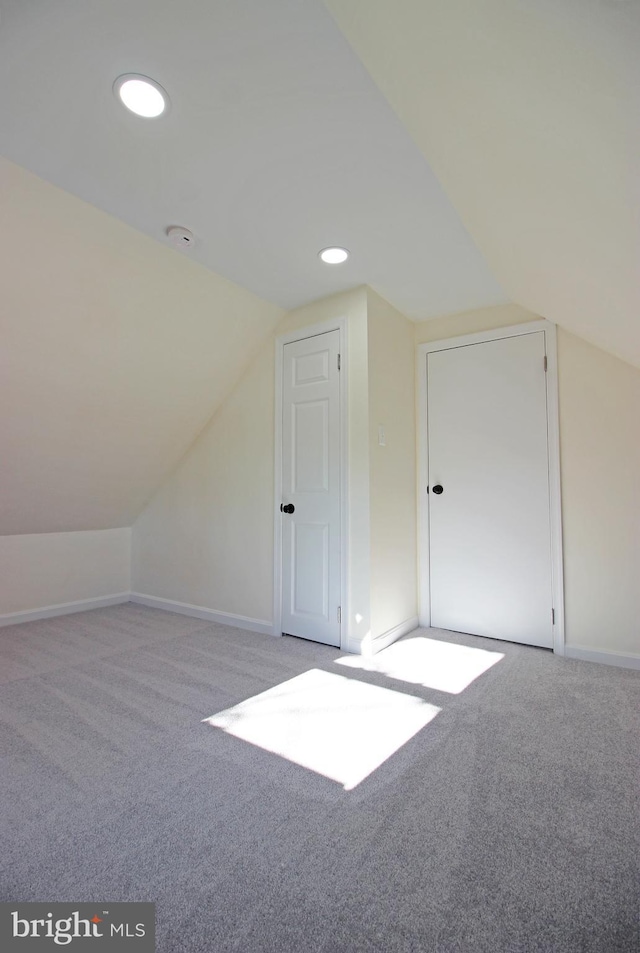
(508, 823)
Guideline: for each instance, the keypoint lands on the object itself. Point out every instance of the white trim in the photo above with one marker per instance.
(354, 646)
(555, 489)
(424, 588)
(369, 646)
(619, 659)
(333, 324)
(481, 337)
(199, 612)
(392, 635)
(63, 608)
(553, 439)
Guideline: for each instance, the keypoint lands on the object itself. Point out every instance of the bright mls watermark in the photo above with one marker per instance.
(126, 927)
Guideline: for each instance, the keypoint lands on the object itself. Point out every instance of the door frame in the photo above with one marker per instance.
(313, 330)
(553, 443)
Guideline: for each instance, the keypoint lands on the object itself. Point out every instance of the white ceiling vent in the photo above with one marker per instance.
(179, 236)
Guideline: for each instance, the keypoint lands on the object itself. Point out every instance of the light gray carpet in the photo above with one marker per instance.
(508, 824)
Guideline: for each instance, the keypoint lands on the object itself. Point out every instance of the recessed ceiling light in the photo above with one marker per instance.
(143, 96)
(333, 255)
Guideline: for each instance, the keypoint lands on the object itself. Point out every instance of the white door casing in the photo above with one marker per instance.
(311, 483)
(491, 540)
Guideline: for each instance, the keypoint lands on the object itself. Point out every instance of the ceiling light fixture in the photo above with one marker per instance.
(333, 255)
(141, 95)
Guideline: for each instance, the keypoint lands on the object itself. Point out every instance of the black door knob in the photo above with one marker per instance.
(287, 508)
(438, 488)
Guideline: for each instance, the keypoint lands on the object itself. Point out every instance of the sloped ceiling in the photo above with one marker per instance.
(116, 349)
(277, 144)
(114, 352)
(529, 114)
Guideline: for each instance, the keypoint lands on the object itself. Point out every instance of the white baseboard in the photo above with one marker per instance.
(392, 635)
(373, 646)
(199, 612)
(63, 608)
(620, 659)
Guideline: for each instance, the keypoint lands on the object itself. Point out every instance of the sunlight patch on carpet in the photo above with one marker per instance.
(444, 666)
(336, 726)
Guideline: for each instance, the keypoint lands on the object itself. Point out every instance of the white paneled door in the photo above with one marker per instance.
(489, 516)
(310, 510)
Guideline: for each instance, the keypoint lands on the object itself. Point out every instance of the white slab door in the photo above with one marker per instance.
(489, 516)
(310, 513)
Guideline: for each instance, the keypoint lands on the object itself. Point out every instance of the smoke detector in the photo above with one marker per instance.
(179, 236)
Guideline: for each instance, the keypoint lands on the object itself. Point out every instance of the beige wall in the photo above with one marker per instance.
(206, 538)
(50, 569)
(469, 322)
(600, 459)
(600, 476)
(392, 475)
(115, 352)
(527, 114)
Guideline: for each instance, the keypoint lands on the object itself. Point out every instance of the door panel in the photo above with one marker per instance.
(311, 545)
(490, 542)
(310, 434)
(311, 559)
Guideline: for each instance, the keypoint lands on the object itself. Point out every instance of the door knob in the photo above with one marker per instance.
(438, 488)
(287, 508)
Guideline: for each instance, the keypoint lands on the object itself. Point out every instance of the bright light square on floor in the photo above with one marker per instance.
(336, 726)
(445, 666)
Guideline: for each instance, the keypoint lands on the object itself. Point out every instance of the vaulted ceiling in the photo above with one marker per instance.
(467, 153)
(277, 144)
(529, 115)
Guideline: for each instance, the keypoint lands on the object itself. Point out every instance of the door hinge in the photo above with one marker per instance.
(338, 362)
(339, 613)
(553, 617)
(545, 363)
